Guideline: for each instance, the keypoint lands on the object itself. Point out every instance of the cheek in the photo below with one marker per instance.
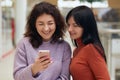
(53, 28)
(80, 32)
(38, 29)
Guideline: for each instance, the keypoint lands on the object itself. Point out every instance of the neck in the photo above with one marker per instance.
(79, 43)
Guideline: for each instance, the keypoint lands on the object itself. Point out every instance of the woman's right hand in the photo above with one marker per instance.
(40, 64)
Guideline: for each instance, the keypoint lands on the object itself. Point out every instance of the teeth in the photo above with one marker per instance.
(46, 33)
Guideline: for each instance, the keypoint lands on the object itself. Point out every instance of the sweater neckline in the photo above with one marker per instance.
(79, 42)
(46, 43)
(80, 45)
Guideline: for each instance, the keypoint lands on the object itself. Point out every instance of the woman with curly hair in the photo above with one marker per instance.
(44, 31)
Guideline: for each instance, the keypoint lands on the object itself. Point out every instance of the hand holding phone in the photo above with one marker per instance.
(42, 62)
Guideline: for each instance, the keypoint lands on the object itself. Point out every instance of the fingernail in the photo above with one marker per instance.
(51, 61)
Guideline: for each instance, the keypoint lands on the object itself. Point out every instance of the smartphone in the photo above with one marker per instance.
(44, 53)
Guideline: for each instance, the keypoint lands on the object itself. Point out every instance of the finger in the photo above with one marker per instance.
(44, 59)
(46, 65)
(46, 62)
(44, 56)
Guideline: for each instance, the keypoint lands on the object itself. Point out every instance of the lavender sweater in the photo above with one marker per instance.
(25, 56)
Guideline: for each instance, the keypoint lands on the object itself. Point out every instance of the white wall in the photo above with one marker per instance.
(21, 8)
(0, 30)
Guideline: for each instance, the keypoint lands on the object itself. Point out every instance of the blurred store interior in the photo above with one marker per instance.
(13, 15)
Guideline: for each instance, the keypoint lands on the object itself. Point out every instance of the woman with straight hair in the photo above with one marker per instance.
(89, 60)
(43, 54)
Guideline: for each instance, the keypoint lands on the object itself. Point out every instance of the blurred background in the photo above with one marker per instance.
(13, 14)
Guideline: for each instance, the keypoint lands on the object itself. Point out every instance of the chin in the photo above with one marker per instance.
(74, 38)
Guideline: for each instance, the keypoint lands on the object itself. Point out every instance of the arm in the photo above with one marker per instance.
(97, 65)
(65, 64)
(22, 70)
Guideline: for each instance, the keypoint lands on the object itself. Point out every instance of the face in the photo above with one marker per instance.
(74, 30)
(45, 26)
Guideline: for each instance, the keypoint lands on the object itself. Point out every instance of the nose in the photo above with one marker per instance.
(46, 28)
(70, 28)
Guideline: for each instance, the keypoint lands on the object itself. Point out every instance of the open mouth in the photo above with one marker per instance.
(46, 33)
(72, 34)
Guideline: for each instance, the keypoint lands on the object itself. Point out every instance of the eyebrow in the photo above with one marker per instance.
(72, 23)
(48, 21)
(51, 21)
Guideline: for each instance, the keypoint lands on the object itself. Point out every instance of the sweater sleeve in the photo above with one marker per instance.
(97, 64)
(65, 64)
(22, 71)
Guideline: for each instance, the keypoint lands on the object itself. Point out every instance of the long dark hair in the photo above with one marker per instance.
(38, 10)
(84, 17)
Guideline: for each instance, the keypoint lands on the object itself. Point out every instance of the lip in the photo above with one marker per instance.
(46, 33)
(72, 33)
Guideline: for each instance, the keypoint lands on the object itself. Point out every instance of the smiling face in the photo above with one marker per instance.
(45, 26)
(74, 30)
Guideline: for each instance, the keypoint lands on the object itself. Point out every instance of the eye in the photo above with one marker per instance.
(50, 23)
(75, 25)
(68, 25)
(40, 24)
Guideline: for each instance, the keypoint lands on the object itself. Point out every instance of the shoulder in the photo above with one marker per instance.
(63, 42)
(63, 45)
(66, 48)
(89, 47)
(91, 51)
(23, 41)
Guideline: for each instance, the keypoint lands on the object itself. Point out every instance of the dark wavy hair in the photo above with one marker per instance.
(84, 17)
(39, 9)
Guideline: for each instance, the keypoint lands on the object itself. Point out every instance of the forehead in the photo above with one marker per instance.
(45, 17)
(71, 20)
